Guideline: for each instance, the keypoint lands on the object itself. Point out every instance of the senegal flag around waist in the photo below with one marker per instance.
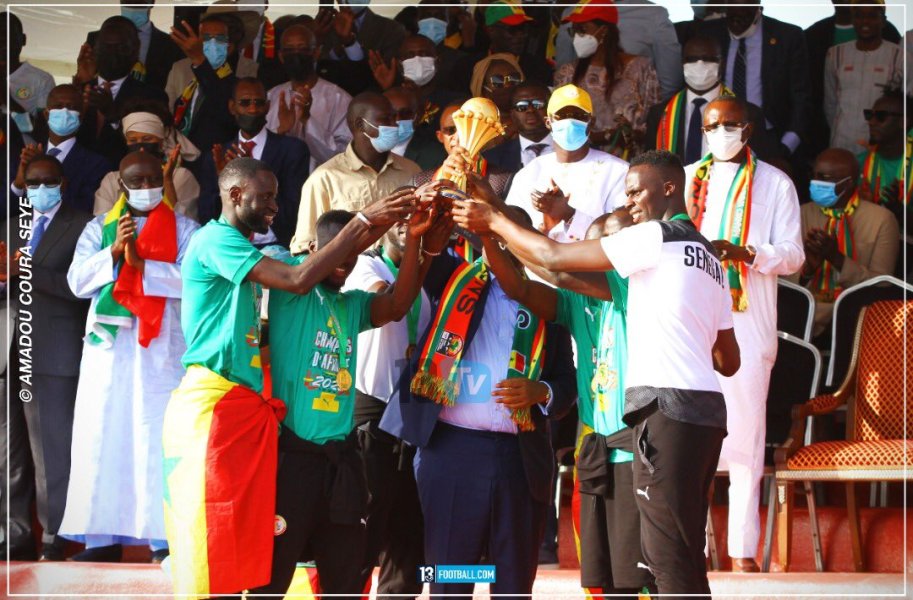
(123, 298)
(220, 446)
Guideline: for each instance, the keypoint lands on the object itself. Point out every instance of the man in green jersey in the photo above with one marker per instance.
(220, 436)
(592, 307)
(321, 500)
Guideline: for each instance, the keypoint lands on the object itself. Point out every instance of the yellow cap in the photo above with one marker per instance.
(569, 95)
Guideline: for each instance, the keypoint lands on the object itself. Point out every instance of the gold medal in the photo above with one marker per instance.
(344, 380)
(410, 350)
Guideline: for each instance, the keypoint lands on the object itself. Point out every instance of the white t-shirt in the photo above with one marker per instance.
(596, 185)
(678, 299)
(381, 351)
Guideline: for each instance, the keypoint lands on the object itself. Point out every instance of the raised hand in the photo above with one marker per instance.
(173, 162)
(344, 24)
(218, 158)
(99, 98)
(27, 155)
(553, 203)
(437, 237)
(189, 42)
(384, 73)
(86, 69)
(324, 22)
(126, 229)
(396, 207)
(301, 101)
(286, 114)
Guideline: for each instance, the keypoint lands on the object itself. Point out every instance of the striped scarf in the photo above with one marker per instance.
(873, 174)
(671, 128)
(840, 226)
(121, 300)
(736, 218)
(438, 377)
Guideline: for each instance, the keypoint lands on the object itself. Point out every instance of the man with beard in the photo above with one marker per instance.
(103, 73)
(286, 156)
(221, 436)
(308, 107)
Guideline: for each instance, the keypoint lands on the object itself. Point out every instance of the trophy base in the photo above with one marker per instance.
(453, 194)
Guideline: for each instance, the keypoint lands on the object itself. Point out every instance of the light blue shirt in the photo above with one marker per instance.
(648, 31)
(145, 36)
(354, 52)
(484, 365)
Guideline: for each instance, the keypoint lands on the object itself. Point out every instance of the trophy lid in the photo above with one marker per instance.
(482, 106)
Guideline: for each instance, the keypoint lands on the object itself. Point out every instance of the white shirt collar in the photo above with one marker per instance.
(710, 95)
(64, 147)
(259, 142)
(526, 143)
(50, 215)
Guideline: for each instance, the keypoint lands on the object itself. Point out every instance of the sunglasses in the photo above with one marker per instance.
(219, 37)
(879, 115)
(246, 102)
(502, 81)
(34, 185)
(727, 127)
(524, 105)
(448, 130)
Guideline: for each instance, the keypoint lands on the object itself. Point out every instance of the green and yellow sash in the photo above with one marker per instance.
(736, 218)
(438, 377)
(121, 300)
(183, 117)
(839, 226)
(672, 124)
(873, 173)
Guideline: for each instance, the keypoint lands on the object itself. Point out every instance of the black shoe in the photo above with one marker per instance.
(112, 553)
(52, 552)
(159, 555)
(21, 554)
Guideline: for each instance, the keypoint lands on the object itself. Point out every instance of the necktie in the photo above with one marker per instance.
(537, 149)
(54, 152)
(693, 144)
(739, 85)
(38, 232)
(248, 148)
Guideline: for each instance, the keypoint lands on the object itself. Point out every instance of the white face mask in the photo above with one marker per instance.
(724, 144)
(585, 45)
(701, 75)
(419, 69)
(144, 200)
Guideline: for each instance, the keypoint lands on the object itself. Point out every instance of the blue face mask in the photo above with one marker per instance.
(44, 197)
(433, 29)
(387, 137)
(824, 193)
(405, 129)
(570, 134)
(216, 52)
(139, 16)
(63, 121)
(358, 5)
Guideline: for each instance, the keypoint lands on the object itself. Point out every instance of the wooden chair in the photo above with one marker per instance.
(875, 448)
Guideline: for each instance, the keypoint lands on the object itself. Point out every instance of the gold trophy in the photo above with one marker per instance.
(477, 123)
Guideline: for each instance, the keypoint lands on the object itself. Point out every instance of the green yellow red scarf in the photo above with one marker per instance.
(838, 225)
(121, 300)
(736, 218)
(672, 124)
(873, 174)
(438, 377)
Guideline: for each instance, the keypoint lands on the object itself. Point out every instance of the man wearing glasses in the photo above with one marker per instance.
(750, 211)
(287, 157)
(200, 85)
(534, 139)
(566, 190)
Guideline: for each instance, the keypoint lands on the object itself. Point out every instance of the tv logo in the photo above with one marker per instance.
(456, 574)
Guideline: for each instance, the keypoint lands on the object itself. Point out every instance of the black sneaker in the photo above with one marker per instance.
(159, 555)
(112, 554)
